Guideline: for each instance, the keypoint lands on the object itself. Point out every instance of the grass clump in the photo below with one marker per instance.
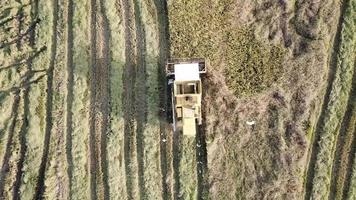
(252, 65)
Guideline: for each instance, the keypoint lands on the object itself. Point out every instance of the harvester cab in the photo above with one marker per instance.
(185, 92)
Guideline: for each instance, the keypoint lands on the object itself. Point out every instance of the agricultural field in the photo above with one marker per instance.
(84, 101)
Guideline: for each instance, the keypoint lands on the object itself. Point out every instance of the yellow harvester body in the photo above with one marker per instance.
(186, 94)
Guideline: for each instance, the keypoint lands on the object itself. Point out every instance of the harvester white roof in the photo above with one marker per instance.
(186, 72)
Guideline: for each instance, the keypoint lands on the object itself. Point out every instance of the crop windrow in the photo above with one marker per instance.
(334, 106)
(344, 152)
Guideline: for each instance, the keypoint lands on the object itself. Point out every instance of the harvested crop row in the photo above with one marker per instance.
(128, 98)
(55, 183)
(40, 189)
(147, 102)
(318, 182)
(80, 108)
(99, 100)
(165, 137)
(140, 95)
(35, 128)
(344, 152)
(116, 137)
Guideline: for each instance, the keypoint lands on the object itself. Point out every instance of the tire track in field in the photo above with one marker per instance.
(99, 101)
(128, 97)
(8, 149)
(70, 93)
(345, 150)
(140, 96)
(162, 17)
(103, 97)
(49, 106)
(330, 80)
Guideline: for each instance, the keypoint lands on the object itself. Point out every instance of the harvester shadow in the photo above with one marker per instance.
(20, 36)
(25, 60)
(5, 165)
(25, 86)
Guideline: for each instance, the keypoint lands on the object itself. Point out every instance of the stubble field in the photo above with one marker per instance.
(83, 99)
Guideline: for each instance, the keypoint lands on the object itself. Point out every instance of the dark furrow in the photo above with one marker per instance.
(128, 97)
(104, 97)
(8, 150)
(140, 96)
(70, 94)
(162, 17)
(19, 18)
(202, 159)
(49, 107)
(331, 76)
(176, 161)
(92, 77)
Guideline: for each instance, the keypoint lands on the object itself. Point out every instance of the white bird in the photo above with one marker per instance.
(250, 123)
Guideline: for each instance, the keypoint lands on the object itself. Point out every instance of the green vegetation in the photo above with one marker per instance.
(336, 106)
(252, 65)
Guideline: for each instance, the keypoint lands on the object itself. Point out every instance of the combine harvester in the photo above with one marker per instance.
(185, 88)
